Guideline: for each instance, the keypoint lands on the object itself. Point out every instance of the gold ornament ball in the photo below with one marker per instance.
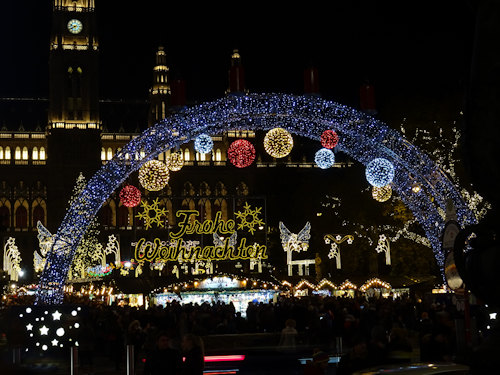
(382, 194)
(153, 175)
(175, 161)
(278, 142)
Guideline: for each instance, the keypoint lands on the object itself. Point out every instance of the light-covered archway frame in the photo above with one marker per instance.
(361, 136)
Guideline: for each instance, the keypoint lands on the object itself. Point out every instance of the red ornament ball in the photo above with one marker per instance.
(329, 139)
(241, 153)
(130, 196)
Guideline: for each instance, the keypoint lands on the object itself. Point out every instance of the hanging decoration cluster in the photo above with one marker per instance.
(278, 142)
(153, 175)
(329, 139)
(130, 196)
(175, 161)
(382, 194)
(324, 158)
(379, 172)
(203, 144)
(241, 153)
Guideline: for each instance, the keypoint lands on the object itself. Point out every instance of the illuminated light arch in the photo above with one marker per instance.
(360, 136)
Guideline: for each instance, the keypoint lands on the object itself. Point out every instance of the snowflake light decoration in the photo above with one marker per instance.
(278, 142)
(152, 214)
(329, 139)
(203, 144)
(249, 218)
(324, 158)
(153, 175)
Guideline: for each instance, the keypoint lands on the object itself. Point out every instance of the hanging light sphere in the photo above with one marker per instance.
(153, 175)
(241, 153)
(382, 194)
(324, 158)
(175, 161)
(379, 172)
(278, 142)
(329, 139)
(130, 196)
(203, 144)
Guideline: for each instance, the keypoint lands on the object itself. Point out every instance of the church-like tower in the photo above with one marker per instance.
(73, 127)
(160, 92)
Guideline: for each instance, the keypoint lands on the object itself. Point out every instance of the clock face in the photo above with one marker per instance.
(75, 26)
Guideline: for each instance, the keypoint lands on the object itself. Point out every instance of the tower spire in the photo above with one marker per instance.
(236, 75)
(160, 92)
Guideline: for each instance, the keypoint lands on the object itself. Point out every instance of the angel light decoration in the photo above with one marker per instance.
(296, 242)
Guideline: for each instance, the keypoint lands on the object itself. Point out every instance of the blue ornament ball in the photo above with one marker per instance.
(379, 172)
(203, 144)
(324, 158)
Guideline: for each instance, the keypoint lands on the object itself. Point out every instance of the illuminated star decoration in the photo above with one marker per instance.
(54, 342)
(44, 331)
(249, 218)
(29, 327)
(152, 214)
(56, 315)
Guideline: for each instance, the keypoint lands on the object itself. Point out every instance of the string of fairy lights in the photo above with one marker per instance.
(359, 135)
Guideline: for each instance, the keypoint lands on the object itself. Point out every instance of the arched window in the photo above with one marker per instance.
(42, 153)
(218, 155)
(109, 155)
(4, 218)
(21, 217)
(34, 153)
(106, 216)
(205, 209)
(25, 153)
(123, 217)
(187, 157)
(103, 154)
(38, 215)
(1, 152)
(17, 153)
(7, 153)
(221, 205)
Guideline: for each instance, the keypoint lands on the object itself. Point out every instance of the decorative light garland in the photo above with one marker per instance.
(374, 282)
(278, 142)
(241, 153)
(130, 196)
(153, 175)
(329, 139)
(363, 138)
(203, 144)
(324, 158)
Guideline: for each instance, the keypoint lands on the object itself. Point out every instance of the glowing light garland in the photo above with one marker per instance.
(203, 144)
(241, 153)
(153, 175)
(329, 139)
(130, 196)
(324, 158)
(362, 137)
(278, 142)
(379, 172)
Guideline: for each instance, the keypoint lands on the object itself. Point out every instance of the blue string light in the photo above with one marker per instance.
(324, 158)
(203, 144)
(361, 136)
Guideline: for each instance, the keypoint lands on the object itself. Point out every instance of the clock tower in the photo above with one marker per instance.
(73, 128)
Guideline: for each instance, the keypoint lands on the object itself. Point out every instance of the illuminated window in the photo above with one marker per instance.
(17, 153)
(42, 153)
(34, 153)
(187, 157)
(25, 153)
(218, 155)
(123, 217)
(1, 152)
(109, 155)
(103, 154)
(38, 215)
(7, 153)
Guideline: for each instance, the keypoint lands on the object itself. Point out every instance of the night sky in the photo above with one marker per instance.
(403, 48)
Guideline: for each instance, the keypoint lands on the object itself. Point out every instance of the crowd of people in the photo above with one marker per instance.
(365, 331)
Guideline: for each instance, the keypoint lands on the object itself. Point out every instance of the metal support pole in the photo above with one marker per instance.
(130, 360)
(74, 360)
(16, 355)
